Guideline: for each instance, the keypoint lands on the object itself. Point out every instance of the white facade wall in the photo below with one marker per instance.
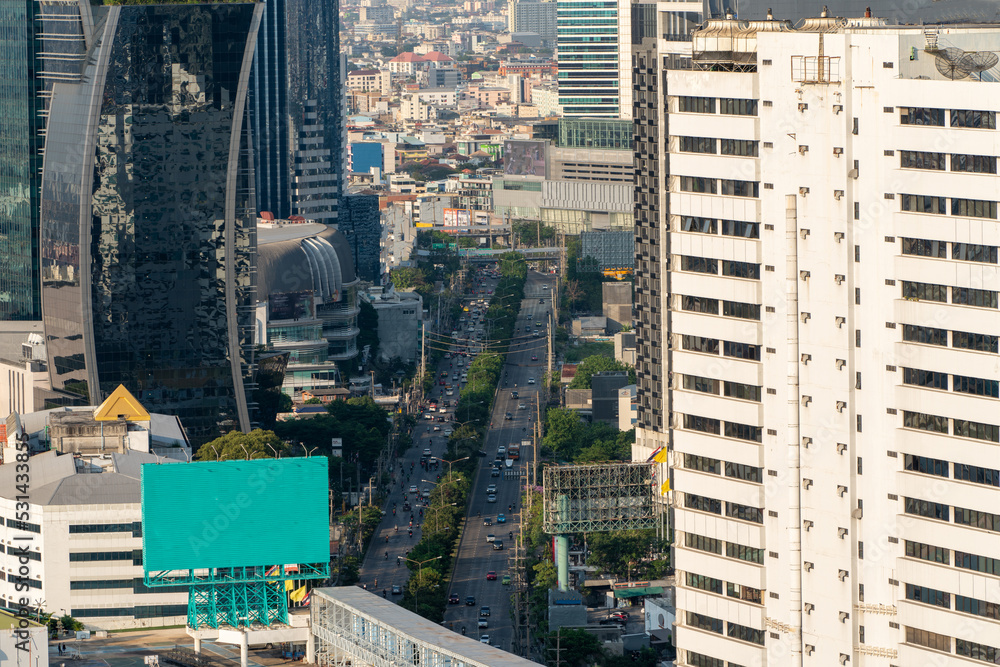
(54, 571)
(791, 531)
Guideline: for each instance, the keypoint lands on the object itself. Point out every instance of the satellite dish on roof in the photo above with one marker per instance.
(951, 63)
(980, 61)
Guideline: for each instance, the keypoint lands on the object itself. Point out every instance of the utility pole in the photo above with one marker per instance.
(548, 340)
(423, 357)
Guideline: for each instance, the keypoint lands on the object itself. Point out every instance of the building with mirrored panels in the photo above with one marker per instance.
(148, 215)
(296, 101)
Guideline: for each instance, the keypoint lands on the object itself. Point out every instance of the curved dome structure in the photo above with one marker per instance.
(309, 256)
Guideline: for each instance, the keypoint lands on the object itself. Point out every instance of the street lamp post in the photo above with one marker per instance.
(420, 576)
(464, 458)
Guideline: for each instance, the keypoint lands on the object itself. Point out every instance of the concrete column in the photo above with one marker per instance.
(244, 650)
(311, 649)
(562, 561)
(197, 644)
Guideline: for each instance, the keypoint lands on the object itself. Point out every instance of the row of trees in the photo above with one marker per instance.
(427, 586)
(598, 363)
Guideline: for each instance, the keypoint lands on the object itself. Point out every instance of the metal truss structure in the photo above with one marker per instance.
(602, 497)
(610, 251)
(354, 627)
(237, 596)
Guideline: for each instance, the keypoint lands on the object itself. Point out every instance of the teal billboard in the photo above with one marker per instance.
(223, 514)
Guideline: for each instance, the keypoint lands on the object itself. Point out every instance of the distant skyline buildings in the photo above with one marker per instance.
(148, 220)
(297, 110)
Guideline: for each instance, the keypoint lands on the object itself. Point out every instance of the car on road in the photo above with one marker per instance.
(490, 537)
(449, 392)
(470, 601)
(492, 498)
(545, 286)
(541, 301)
(484, 639)
(621, 616)
(426, 493)
(501, 518)
(505, 580)
(447, 431)
(509, 416)
(501, 451)
(527, 329)
(498, 545)
(453, 598)
(513, 394)
(522, 406)
(531, 380)
(427, 451)
(491, 575)
(487, 521)
(484, 611)
(436, 427)
(495, 472)
(492, 488)
(413, 488)
(482, 623)
(536, 334)
(534, 357)
(397, 589)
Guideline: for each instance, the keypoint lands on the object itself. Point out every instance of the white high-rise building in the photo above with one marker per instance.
(817, 292)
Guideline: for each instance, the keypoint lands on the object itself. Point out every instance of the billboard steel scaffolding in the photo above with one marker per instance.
(601, 497)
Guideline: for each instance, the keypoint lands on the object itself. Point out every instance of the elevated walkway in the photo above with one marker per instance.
(357, 628)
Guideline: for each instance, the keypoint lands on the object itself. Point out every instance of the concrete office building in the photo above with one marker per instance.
(532, 16)
(817, 293)
(147, 220)
(399, 318)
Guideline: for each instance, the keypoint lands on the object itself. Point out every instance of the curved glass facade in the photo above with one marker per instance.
(148, 233)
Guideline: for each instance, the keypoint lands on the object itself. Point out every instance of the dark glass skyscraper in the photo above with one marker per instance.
(296, 101)
(20, 161)
(147, 214)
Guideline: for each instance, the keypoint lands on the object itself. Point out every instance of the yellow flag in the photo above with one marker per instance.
(289, 585)
(298, 594)
(661, 456)
(665, 488)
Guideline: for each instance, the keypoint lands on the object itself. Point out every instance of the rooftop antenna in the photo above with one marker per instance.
(952, 63)
(825, 12)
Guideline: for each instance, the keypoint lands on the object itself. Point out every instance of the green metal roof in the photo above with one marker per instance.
(636, 592)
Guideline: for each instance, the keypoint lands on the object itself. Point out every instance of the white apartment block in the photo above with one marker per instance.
(817, 292)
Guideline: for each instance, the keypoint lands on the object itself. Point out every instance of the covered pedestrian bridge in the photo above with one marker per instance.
(354, 627)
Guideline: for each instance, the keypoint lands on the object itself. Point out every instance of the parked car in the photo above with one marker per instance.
(621, 616)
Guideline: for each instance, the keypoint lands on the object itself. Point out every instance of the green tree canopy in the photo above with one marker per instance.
(598, 364)
(237, 445)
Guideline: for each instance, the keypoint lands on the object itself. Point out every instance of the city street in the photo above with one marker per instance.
(476, 556)
(379, 570)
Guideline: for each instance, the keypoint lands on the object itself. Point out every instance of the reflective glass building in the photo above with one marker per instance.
(296, 100)
(148, 216)
(20, 161)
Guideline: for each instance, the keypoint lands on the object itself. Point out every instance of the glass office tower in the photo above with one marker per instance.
(20, 162)
(148, 216)
(296, 100)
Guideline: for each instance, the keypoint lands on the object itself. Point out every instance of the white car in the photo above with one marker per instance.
(531, 380)
(492, 498)
(483, 624)
(484, 639)
(492, 488)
